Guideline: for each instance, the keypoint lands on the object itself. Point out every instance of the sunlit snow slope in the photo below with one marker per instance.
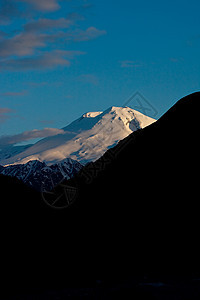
(85, 139)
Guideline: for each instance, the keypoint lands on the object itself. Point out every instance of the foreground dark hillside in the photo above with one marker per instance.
(141, 197)
(134, 211)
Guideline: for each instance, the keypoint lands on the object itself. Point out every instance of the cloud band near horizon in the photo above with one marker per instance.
(10, 140)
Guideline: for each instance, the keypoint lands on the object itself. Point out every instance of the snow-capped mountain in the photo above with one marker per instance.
(40, 176)
(85, 139)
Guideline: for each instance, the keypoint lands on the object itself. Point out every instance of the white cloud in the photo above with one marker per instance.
(130, 64)
(21, 44)
(44, 24)
(4, 113)
(46, 60)
(43, 5)
(14, 94)
(28, 135)
(34, 46)
(86, 35)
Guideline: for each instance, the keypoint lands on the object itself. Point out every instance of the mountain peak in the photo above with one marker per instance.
(113, 109)
(91, 114)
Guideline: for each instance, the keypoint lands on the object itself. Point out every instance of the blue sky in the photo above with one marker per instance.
(59, 59)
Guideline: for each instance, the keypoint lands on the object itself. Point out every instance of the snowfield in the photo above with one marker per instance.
(85, 139)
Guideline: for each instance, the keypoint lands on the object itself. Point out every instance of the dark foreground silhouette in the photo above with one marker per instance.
(135, 212)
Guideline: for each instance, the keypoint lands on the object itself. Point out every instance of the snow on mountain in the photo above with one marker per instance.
(85, 139)
(7, 152)
(40, 176)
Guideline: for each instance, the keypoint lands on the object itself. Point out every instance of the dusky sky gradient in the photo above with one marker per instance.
(59, 59)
